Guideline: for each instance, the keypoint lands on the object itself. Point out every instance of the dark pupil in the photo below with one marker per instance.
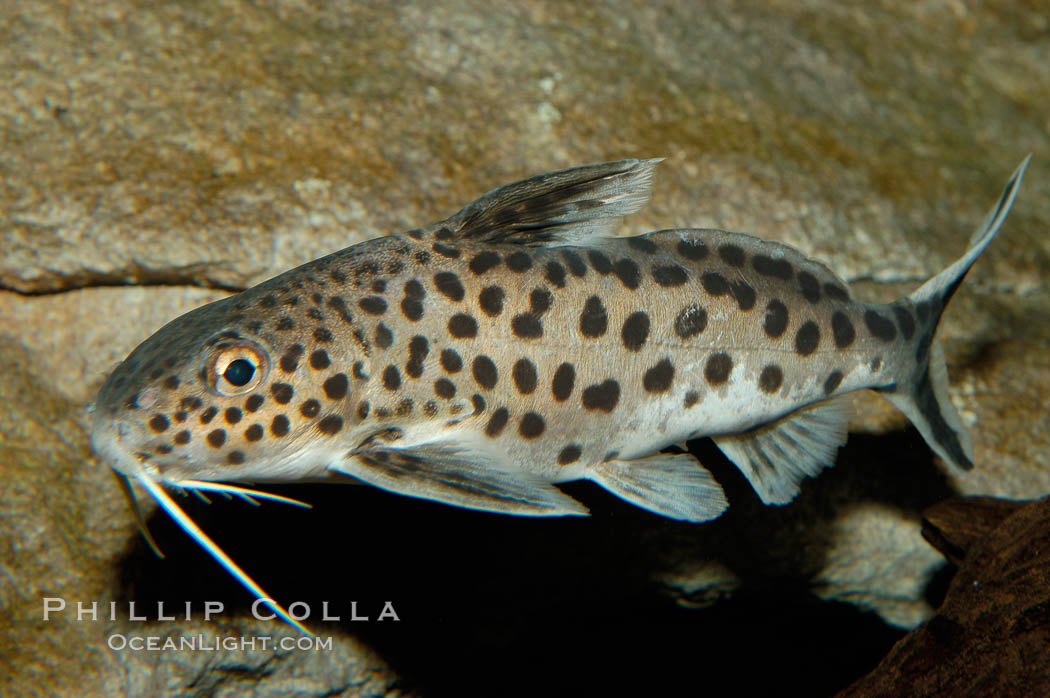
(239, 372)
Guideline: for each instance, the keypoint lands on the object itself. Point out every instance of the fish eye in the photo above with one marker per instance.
(235, 368)
(239, 372)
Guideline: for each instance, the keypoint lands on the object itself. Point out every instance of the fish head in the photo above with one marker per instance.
(208, 398)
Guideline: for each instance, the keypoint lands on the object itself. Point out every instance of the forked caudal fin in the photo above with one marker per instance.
(922, 392)
(194, 531)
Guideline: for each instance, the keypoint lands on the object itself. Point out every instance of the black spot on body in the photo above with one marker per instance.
(693, 250)
(832, 383)
(810, 286)
(483, 262)
(446, 250)
(384, 337)
(776, 268)
(216, 438)
(485, 372)
(319, 360)
(182, 438)
(555, 274)
(497, 422)
(268, 301)
(478, 402)
(526, 326)
(593, 319)
(180, 416)
(714, 283)
(563, 381)
(602, 396)
(282, 393)
(290, 361)
(642, 244)
(835, 292)
(670, 275)
(717, 368)
(531, 426)
(462, 326)
(628, 273)
(776, 319)
(235, 457)
(192, 403)
(310, 409)
(599, 262)
(771, 378)
(491, 300)
(336, 386)
(540, 300)
(905, 321)
(658, 379)
(330, 425)
(690, 321)
(171, 382)
(423, 257)
(254, 432)
(635, 331)
(285, 324)
(208, 415)
(373, 305)
(158, 423)
(570, 454)
(254, 402)
(449, 285)
(519, 262)
(444, 388)
(314, 314)
(576, 266)
(731, 254)
(359, 371)
(391, 378)
(744, 294)
(691, 398)
(418, 350)
(362, 410)
(233, 415)
(524, 374)
(807, 338)
(842, 330)
(451, 361)
(880, 327)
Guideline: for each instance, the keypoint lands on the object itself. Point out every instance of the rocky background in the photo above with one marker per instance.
(159, 156)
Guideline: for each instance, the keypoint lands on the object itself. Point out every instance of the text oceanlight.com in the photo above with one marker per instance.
(228, 643)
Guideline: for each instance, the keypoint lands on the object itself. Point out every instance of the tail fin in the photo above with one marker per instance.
(923, 395)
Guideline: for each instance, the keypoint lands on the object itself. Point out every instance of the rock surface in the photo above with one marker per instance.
(156, 157)
(992, 634)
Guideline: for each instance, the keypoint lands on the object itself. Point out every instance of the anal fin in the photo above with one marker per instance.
(672, 485)
(776, 456)
(458, 477)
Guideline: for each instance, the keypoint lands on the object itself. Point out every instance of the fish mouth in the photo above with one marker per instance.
(127, 465)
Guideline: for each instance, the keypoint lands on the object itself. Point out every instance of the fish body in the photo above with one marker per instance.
(516, 345)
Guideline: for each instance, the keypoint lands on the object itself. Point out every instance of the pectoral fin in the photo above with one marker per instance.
(458, 477)
(672, 485)
(776, 456)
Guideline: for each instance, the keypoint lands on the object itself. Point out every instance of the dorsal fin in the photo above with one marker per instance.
(557, 208)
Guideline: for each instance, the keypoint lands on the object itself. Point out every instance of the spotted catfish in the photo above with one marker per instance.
(516, 345)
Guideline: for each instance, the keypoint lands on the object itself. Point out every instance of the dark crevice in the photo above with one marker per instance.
(501, 605)
(198, 275)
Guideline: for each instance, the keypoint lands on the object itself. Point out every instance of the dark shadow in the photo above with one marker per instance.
(497, 605)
